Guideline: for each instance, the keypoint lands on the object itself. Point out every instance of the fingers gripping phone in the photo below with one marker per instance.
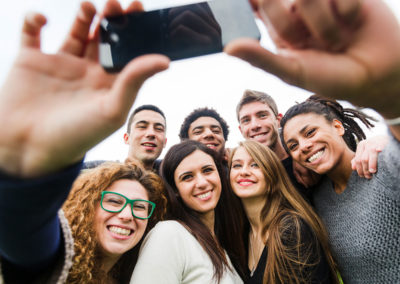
(178, 32)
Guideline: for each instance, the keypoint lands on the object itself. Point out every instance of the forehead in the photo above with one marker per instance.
(130, 188)
(241, 154)
(204, 121)
(149, 116)
(194, 161)
(300, 122)
(253, 108)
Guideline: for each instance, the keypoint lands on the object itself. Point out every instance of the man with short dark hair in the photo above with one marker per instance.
(146, 135)
(206, 126)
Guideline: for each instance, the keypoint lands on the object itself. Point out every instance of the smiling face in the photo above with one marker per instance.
(198, 182)
(147, 137)
(119, 232)
(246, 177)
(258, 122)
(315, 142)
(208, 131)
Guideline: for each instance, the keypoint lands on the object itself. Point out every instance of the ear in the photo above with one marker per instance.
(126, 138)
(338, 127)
(165, 142)
(240, 129)
(279, 118)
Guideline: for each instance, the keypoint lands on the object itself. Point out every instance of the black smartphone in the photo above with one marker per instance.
(177, 32)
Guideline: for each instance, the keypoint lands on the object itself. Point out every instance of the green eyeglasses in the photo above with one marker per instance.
(114, 202)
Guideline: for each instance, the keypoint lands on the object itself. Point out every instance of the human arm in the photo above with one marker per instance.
(304, 176)
(341, 49)
(56, 107)
(365, 160)
(71, 102)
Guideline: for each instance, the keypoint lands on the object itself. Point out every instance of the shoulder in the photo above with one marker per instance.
(168, 232)
(293, 229)
(389, 157)
(169, 227)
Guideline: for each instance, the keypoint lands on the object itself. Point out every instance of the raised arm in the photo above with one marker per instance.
(343, 49)
(55, 107)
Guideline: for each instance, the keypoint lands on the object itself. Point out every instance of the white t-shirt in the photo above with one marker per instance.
(171, 255)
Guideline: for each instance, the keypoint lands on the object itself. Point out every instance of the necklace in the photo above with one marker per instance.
(254, 261)
(254, 244)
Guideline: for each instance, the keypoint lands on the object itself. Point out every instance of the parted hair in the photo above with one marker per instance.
(250, 96)
(330, 110)
(292, 252)
(80, 209)
(228, 220)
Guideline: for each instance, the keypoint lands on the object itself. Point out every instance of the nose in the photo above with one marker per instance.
(305, 145)
(244, 171)
(208, 134)
(150, 132)
(201, 181)
(254, 125)
(126, 213)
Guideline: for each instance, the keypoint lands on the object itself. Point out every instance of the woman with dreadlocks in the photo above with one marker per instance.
(362, 216)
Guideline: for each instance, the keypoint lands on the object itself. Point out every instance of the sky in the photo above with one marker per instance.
(216, 81)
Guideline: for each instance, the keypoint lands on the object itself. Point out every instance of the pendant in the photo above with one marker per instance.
(252, 272)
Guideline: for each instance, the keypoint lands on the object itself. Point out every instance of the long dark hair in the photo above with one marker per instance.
(331, 109)
(228, 220)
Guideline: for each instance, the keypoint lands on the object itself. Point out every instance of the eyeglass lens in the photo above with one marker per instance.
(115, 202)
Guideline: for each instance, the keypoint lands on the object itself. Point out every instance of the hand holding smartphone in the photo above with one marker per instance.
(179, 32)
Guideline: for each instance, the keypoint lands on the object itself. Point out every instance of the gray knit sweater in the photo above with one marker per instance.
(364, 221)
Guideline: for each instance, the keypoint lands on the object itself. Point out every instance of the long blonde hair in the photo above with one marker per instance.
(284, 213)
(80, 209)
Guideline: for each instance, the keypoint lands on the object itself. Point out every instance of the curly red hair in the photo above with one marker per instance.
(80, 210)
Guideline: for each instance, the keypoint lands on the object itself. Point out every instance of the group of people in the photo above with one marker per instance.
(287, 205)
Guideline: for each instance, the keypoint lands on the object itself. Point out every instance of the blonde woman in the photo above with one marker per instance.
(287, 241)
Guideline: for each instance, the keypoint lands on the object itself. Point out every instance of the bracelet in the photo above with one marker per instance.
(392, 122)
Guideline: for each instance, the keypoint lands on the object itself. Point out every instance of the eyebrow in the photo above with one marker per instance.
(302, 130)
(147, 123)
(190, 172)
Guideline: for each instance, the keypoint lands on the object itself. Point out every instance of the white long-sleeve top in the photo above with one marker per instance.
(170, 254)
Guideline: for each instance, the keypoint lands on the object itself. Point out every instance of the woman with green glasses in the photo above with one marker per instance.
(109, 209)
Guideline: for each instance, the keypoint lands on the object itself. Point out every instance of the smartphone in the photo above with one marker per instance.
(178, 32)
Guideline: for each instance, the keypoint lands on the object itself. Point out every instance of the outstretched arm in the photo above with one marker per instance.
(58, 106)
(343, 49)
(55, 107)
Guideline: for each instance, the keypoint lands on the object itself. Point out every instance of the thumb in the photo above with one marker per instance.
(132, 77)
(285, 67)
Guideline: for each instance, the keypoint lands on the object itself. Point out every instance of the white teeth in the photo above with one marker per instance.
(245, 183)
(204, 195)
(211, 146)
(258, 135)
(148, 144)
(315, 156)
(120, 231)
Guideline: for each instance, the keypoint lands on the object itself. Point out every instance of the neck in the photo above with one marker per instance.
(109, 262)
(341, 172)
(279, 150)
(208, 219)
(253, 207)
